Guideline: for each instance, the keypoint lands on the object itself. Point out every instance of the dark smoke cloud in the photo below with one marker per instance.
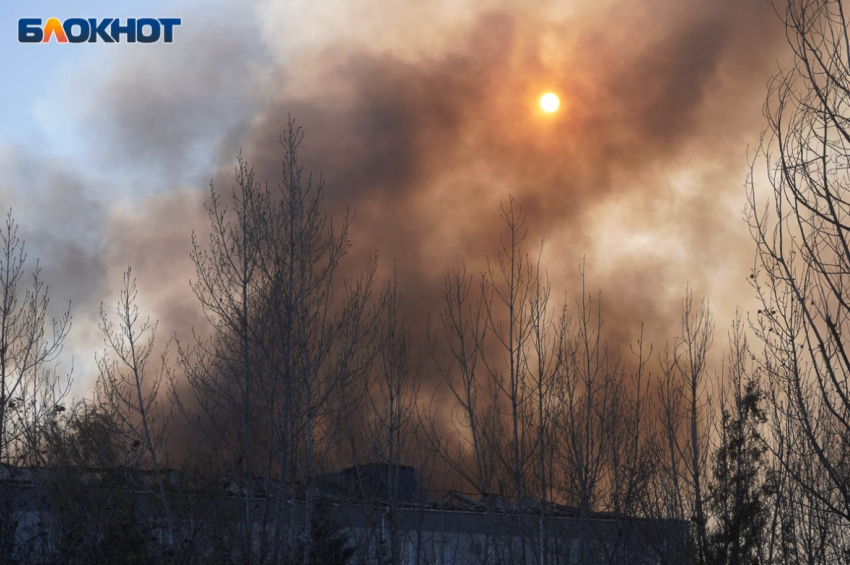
(58, 217)
(640, 172)
(163, 110)
(56, 214)
(159, 256)
(425, 149)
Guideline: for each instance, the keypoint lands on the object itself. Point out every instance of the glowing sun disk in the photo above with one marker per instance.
(549, 102)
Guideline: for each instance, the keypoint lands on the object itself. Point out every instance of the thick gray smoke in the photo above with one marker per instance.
(424, 120)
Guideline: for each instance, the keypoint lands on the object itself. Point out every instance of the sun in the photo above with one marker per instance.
(549, 102)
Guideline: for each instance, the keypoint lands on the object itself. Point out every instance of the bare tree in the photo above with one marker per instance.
(288, 334)
(488, 332)
(588, 383)
(544, 364)
(462, 331)
(803, 260)
(223, 373)
(396, 388)
(684, 416)
(325, 335)
(543, 412)
(631, 460)
(128, 390)
(507, 287)
(740, 491)
(380, 427)
(690, 362)
(632, 456)
(31, 387)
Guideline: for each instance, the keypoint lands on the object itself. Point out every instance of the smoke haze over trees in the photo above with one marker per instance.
(516, 307)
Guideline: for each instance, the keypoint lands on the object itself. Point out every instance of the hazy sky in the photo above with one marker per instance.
(423, 117)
